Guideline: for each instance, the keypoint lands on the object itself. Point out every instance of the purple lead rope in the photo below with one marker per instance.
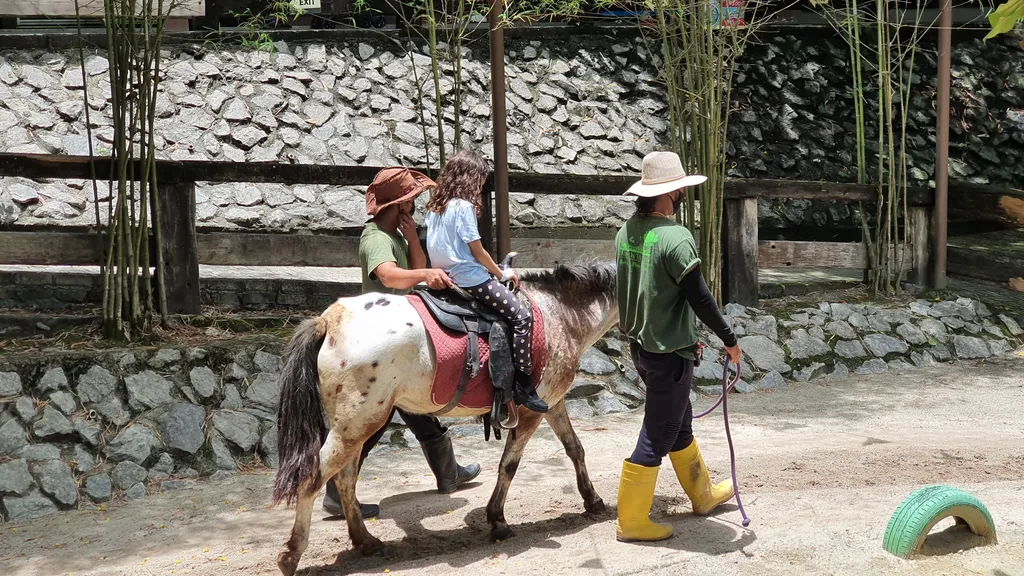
(727, 387)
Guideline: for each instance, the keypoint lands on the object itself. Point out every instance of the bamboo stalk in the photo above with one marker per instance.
(158, 235)
(435, 68)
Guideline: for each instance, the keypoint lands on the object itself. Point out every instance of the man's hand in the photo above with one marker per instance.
(407, 226)
(735, 354)
(436, 279)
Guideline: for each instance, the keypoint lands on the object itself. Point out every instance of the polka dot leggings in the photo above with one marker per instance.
(498, 297)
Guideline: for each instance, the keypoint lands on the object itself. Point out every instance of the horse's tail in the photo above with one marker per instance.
(301, 424)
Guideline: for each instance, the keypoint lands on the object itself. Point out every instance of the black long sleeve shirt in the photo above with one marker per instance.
(697, 294)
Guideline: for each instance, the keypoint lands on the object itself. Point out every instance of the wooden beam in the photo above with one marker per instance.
(537, 248)
(790, 254)
(547, 252)
(50, 248)
(91, 8)
(177, 205)
(995, 256)
(919, 235)
(838, 191)
(44, 166)
(979, 203)
(255, 249)
(740, 252)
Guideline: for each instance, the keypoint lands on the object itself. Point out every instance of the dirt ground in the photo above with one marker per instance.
(821, 468)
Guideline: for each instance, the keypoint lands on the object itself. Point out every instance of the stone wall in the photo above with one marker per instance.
(587, 105)
(84, 428)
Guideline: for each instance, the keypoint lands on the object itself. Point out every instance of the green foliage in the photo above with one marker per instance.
(1005, 17)
(536, 10)
(134, 36)
(254, 25)
(894, 40)
(700, 57)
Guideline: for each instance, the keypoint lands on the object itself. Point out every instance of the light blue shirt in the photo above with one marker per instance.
(448, 238)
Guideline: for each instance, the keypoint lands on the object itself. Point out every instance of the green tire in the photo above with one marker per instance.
(915, 517)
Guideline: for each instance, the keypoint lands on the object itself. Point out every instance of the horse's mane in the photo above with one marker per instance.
(577, 284)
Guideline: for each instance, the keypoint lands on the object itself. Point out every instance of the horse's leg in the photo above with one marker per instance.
(330, 456)
(558, 419)
(517, 439)
(346, 483)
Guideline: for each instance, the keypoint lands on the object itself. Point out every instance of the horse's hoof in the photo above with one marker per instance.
(371, 547)
(287, 562)
(595, 507)
(501, 532)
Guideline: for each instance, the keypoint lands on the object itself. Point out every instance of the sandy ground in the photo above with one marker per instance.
(821, 469)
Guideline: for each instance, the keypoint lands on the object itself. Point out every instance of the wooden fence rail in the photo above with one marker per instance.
(185, 247)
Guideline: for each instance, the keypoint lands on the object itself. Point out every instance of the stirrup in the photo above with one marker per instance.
(513, 414)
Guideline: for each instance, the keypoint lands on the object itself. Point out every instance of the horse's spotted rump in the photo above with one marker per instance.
(579, 300)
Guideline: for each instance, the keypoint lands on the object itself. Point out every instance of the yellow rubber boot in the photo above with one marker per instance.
(693, 476)
(636, 494)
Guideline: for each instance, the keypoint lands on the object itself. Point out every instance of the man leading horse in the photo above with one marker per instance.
(661, 293)
(392, 262)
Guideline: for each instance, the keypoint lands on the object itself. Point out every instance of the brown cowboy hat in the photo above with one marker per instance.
(394, 186)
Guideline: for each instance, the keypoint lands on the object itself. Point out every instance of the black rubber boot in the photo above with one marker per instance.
(525, 394)
(332, 504)
(441, 458)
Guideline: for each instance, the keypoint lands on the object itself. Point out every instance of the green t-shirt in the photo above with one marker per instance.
(653, 254)
(377, 246)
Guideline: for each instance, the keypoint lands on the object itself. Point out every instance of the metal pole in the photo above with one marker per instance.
(942, 146)
(499, 120)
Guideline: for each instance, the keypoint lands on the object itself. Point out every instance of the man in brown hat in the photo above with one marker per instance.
(393, 261)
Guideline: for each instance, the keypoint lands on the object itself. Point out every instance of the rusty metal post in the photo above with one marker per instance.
(941, 213)
(500, 125)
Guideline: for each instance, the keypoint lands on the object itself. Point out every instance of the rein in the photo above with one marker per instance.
(727, 387)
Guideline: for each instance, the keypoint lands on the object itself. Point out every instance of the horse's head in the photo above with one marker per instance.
(582, 296)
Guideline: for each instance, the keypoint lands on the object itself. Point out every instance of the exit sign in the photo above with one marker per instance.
(307, 5)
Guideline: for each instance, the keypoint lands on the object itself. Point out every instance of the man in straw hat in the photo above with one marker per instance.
(393, 261)
(661, 293)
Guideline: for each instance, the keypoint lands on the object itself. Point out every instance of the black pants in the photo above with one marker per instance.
(423, 427)
(668, 414)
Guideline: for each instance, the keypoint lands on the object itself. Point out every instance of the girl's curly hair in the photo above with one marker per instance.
(463, 177)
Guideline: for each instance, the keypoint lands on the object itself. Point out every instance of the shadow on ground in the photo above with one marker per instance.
(460, 547)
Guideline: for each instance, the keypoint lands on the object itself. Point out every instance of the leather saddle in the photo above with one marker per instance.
(456, 310)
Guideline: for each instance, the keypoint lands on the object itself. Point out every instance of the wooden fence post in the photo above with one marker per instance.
(740, 257)
(486, 223)
(181, 257)
(919, 234)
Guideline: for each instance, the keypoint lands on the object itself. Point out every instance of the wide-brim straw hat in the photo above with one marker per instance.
(394, 186)
(663, 173)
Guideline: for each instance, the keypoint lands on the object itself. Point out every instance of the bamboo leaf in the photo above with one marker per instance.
(1005, 17)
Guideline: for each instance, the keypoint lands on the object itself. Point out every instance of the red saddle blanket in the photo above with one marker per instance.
(450, 354)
